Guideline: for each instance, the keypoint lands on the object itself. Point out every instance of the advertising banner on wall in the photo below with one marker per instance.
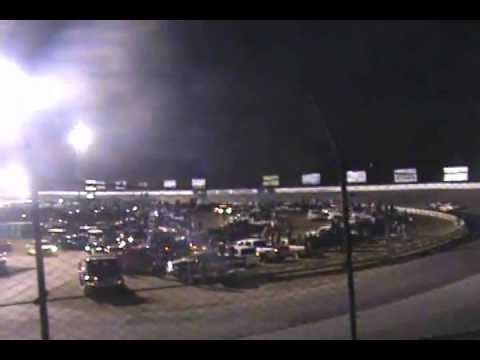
(355, 177)
(121, 185)
(270, 180)
(169, 184)
(311, 179)
(199, 183)
(405, 175)
(455, 173)
(143, 184)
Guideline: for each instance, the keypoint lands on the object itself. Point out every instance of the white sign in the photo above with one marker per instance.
(170, 184)
(356, 176)
(199, 183)
(94, 185)
(143, 184)
(311, 179)
(455, 173)
(405, 175)
(121, 185)
(271, 180)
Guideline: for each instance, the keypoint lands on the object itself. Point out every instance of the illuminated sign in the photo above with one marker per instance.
(170, 184)
(121, 185)
(271, 180)
(143, 184)
(199, 183)
(311, 179)
(356, 176)
(94, 185)
(455, 173)
(405, 175)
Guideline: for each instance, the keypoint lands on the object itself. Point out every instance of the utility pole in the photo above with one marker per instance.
(37, 235)
(346, 217)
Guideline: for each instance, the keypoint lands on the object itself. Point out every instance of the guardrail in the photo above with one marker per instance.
(388, 187)
(449, 217)
(253, 191)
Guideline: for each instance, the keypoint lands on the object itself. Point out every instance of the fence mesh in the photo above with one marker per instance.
(271, 294)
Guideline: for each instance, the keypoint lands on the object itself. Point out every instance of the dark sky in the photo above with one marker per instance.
(229, 100)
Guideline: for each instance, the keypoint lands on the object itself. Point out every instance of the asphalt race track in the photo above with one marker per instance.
(429, 296)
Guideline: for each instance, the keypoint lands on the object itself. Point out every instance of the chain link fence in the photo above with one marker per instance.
(153, 306)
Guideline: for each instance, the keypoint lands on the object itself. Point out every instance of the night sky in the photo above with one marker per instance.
(229, 100)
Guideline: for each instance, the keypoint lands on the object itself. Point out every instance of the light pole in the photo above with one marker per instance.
(22, 97)
(346, 221)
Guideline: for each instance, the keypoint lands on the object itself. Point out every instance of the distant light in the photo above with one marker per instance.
(80, 137)
(24, 216)
(135, 208)
(61, 201)
(77, 211)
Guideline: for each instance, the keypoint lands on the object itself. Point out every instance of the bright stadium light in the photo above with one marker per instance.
(14, 108)
(80, 137)
(22, 96)
(14, 181)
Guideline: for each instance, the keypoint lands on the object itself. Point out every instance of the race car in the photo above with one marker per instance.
(444, 206)
(48, 249)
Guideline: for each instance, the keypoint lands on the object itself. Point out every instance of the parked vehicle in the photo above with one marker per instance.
(5, 246)
(142, 260)
(3, 264)
(317, 214)
(204, 267)
(48, 249)
(100, 272)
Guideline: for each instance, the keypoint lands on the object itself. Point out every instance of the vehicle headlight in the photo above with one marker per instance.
(87, 248)
(119, 281)
(86, 277)
(95, 278)
(275, 250)
(257, 253)
(204, 248)
(54, 249)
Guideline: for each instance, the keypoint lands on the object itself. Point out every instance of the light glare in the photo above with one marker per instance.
(80, 137)
(14, 181)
